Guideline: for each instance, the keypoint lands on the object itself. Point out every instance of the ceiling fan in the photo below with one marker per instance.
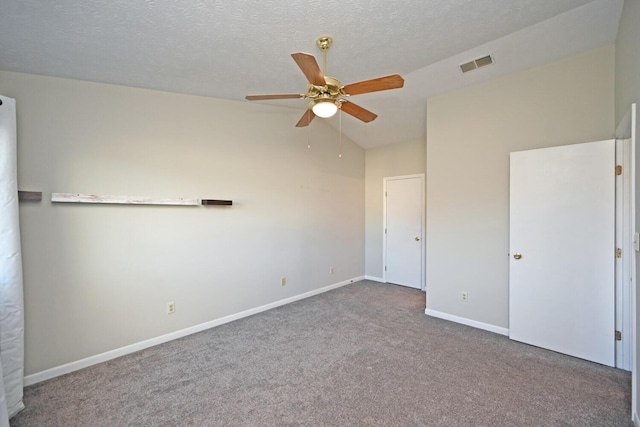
(327, 94)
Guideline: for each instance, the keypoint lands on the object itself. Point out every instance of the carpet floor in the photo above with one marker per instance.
(361, 355)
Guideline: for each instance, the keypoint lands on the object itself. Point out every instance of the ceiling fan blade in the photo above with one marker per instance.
(275, 96)
(358, 112)
(309, 67)
(306, 118)
(393, 81)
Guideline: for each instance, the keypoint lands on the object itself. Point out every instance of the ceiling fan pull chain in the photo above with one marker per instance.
(308, 129)
(340, 141)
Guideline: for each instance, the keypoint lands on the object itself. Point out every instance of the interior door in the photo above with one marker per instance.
(562, 249)
(404, 208)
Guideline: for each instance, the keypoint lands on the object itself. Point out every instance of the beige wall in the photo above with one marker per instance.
(98, 277)
(381, 162)
(627, 82)
(470, 133)
(628, 59)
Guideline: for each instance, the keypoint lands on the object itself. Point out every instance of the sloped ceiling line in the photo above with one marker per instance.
(228, 49)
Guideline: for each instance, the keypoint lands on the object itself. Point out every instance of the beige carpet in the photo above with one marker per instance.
(361, 355)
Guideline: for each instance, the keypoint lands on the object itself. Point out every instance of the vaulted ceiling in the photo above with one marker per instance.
(228, 49)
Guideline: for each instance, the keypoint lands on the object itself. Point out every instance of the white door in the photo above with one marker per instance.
(562, 249)
(404, 219)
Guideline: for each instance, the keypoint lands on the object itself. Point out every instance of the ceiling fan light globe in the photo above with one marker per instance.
(324, 109)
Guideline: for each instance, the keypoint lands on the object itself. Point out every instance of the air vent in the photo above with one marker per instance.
(476, 63)
(485, 60)
(469, 66)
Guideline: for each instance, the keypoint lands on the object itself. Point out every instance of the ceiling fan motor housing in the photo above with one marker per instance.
(332, 90)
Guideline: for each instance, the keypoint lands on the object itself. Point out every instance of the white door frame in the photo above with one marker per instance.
(627, 130)
(623, 264)
(422, 227)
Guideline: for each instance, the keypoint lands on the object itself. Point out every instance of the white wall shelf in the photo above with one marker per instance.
(131, 200)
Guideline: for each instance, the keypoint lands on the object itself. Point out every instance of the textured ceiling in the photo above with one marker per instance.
(227, 49)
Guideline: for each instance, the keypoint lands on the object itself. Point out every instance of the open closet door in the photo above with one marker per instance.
(562, 249)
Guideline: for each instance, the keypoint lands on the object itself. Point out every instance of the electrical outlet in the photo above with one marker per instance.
(330, 270)
(171, 307)
(464, 296)
(283, 281)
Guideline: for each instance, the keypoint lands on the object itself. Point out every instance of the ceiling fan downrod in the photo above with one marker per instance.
(324, 43)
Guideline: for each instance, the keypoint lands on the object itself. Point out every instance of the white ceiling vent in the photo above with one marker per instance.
(476, 63)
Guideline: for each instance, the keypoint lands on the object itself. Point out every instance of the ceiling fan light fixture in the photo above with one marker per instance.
(324, 108)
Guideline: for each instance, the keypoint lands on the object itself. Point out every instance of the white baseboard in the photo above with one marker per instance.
(122, 351)
(636, 419)
(375, 279)
(468, 322)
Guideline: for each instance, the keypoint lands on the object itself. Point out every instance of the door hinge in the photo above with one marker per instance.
(618, 253)
(385, 268)
(385, 194)
(618, 336)
(618, 170)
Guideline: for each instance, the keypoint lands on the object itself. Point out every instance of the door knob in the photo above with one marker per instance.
(517, 255)
(417, 239)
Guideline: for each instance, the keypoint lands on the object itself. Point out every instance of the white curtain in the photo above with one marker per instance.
(11, 299)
